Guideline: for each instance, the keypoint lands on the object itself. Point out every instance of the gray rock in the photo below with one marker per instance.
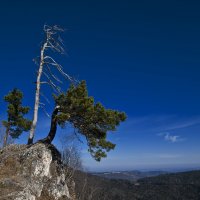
(32, 173)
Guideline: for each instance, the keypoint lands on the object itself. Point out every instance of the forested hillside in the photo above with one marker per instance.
(177, 186)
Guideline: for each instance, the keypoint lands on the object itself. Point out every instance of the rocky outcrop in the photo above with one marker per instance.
(32, 173)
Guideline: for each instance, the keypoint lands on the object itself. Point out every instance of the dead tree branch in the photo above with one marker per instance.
(52, 42)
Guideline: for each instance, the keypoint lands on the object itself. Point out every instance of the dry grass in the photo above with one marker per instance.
(9, 169)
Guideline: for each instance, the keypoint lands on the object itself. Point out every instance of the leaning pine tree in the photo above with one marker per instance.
(16, 123)
(88, 118)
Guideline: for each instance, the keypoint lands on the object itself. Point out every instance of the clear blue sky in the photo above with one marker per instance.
(141, 57)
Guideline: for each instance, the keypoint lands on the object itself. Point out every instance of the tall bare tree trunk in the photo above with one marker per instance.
(37, 95)
(52, 42)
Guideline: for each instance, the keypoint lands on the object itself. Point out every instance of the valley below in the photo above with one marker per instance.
(137, 185)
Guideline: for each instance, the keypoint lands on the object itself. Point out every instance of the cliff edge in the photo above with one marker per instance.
(33, 173)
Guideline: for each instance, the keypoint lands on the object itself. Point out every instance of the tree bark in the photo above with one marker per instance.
(53, 128)
(37, 95)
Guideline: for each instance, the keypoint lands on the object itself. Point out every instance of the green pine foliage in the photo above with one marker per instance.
(90, 119)
(16, 123)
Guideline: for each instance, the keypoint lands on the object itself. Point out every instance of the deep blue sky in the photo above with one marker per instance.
(142, 57)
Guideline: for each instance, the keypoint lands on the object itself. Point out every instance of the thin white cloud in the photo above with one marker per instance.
(171, 138)
(169, 156)
(159, 123)
(183, 124)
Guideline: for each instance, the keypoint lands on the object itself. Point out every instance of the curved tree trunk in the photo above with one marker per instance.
(53, 128)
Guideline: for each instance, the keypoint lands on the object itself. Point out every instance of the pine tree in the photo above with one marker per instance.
(89, 119)
(16, 123)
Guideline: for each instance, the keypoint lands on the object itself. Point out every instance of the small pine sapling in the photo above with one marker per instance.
(16, 123)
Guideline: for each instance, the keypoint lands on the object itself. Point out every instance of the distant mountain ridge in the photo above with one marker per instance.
(129, 175)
